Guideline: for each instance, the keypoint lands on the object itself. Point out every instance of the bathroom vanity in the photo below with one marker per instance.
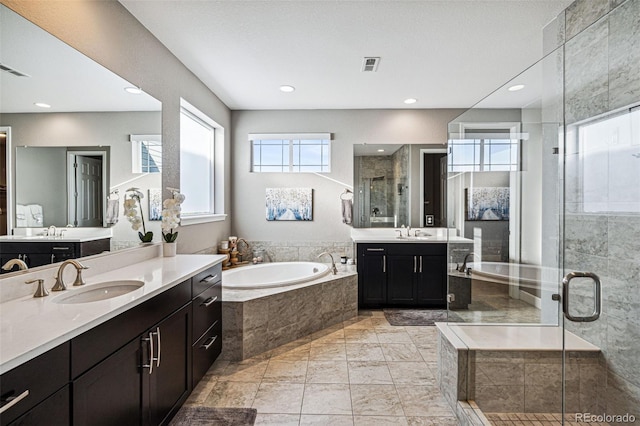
(41, 250)
(402, 270)
(131, 359)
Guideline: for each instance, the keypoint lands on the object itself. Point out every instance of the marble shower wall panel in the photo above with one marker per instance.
(624, 55)
(586, 73)
(582, 13)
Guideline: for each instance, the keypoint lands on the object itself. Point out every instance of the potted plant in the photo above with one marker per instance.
(130, 211)
(170, 221)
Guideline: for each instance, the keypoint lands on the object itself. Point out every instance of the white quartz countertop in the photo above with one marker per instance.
(390, 239)
(46, 239)
(31, 326)
(390, 235)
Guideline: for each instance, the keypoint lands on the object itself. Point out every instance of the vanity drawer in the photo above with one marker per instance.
(41, 377)
(205, 351)
(206, 279)
(207, 308)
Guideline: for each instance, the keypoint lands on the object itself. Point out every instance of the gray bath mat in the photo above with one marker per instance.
(415, 316)
(208, 416)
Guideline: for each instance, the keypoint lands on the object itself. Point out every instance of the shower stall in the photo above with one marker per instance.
(544, 182)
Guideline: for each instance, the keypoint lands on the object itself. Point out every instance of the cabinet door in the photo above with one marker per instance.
(109, 393)
(432, 281)
(170, 382)
(401, 288)
(372, 277)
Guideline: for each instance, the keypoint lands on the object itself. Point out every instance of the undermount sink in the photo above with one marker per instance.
(101, 291)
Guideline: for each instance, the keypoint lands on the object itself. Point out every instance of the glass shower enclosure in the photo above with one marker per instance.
(543, 186)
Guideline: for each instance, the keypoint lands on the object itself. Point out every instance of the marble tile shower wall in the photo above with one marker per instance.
(602, 73)
(303, 251)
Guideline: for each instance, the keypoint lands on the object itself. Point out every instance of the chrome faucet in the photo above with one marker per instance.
(13, 262)
(60, 285)
(334, 270)
(463, 268)
(51, 231)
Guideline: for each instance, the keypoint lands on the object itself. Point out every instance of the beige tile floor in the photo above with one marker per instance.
(361, 372)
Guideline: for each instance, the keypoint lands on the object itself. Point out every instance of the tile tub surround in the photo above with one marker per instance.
(516, 369)
(302, 251)
(32, 326)
(255, 321)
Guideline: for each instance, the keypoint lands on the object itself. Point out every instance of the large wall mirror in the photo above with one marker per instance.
(399, 184)
(70, 131)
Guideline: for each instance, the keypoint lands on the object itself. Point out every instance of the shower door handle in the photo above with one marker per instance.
(597, 294)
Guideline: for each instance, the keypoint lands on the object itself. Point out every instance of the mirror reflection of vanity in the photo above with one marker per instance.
(399, 184)
(62, 164)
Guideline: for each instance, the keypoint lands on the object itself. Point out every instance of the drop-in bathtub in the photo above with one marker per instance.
(271, 304)
(269, 275)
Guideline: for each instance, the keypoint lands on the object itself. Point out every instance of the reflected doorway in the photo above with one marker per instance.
(434, 181)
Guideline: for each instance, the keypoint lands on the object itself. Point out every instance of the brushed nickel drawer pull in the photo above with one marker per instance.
(375, 249)
(14, 401)
(209, 278)
(209, 301)
(206, 346)
(61, 248)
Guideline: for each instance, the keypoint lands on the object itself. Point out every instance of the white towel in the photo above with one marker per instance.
(35, 217)
(21, 216)
(347, 211)
(112, 211)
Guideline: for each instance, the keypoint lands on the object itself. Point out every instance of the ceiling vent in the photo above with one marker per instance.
(370, 64)
(13, 71)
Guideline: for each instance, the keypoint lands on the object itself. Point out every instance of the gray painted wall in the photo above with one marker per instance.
(107, 33)
(348, 127)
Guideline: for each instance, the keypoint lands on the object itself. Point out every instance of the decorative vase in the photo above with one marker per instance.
(169, 249)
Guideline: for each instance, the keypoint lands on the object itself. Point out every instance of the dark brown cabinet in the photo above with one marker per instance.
(46, 252)
(402, 275)
(25, 391)
(137, 368)
(207, 320)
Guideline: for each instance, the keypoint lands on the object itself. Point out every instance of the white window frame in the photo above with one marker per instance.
(216, 212)
(290, 137)
(136, 151)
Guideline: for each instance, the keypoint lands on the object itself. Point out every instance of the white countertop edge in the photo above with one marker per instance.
(40, 239)
(18, 356)
(430, 240)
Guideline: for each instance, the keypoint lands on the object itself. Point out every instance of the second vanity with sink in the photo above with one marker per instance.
(402, 268)
(125, 348)
(35, 248)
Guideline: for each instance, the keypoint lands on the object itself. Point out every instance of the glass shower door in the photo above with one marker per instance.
(601, 263)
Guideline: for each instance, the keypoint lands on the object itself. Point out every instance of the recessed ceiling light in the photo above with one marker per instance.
(516, 87)
(287, 89)
(42, 105)
(133, 90)
(410, 101)
(381, 150)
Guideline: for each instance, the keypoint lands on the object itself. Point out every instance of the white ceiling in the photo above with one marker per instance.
(447, 54)
(57, 74)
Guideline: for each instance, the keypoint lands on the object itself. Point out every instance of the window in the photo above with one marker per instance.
(201, 171)
(290, 153)
(485, 150)
(146, 153)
